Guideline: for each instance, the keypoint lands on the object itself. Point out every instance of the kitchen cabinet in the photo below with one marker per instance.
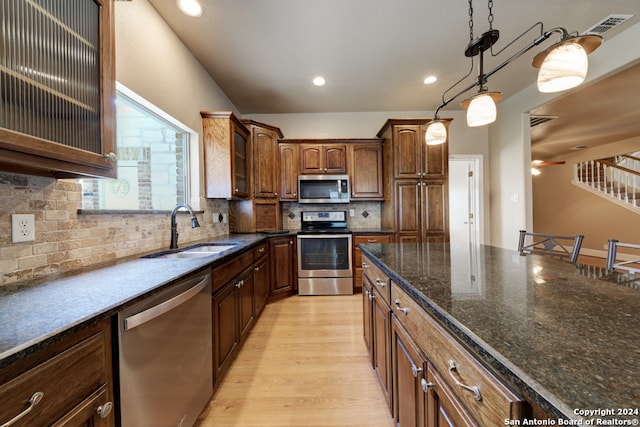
(357, 253)
(320, 158)
(457, 384)
(413, 158)
(364, 163)
(74, 376)
(289, 170)
(66, 128)
(227, 156)
(408, 371)
(380, 325)
(233, 309)
(250, 216)
(264, 141)
(421, 211)
(416, 205)
(282, 260)
(261, 277)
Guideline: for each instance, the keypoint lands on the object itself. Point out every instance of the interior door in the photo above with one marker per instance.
(465, 196)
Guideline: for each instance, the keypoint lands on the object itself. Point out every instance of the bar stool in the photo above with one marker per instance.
(563, 247)
(630, 265)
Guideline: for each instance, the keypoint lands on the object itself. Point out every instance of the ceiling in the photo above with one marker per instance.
(374, 54)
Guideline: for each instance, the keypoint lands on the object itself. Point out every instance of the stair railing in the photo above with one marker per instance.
(609, 178)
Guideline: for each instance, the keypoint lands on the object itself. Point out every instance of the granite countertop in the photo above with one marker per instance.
(567, 337)
(33, 315)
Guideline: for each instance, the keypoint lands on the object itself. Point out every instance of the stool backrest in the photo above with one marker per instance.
(563, 247)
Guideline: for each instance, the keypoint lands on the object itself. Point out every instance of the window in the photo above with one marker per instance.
(153, 160)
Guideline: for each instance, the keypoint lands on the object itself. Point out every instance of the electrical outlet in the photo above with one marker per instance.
(352, 213)
(23, 228)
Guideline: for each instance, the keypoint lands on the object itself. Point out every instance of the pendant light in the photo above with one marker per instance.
(481, 108)
(562, 66)
(436, 132)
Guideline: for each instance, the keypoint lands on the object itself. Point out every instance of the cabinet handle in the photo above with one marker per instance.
(275, 194)
(111, 156)
(380, 283)
(365, 265)
(415, 370)
(405, 310)
(261, 250)
(372, 240)
(426, 385)
(291, 242)
(33, 401)
(371, 296)
(104, 410)
(472, 389)
(256, 268)
(240, 284)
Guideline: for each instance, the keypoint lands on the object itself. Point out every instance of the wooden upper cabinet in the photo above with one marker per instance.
(365, 171)
(323, 158)
(65, 128)
(227, 156)
(413, 158)
(289, 166)
(407, 147)
(264, 139)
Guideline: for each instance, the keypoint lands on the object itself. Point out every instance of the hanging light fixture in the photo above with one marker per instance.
(481, 108)
(562, 66)
(436, 132)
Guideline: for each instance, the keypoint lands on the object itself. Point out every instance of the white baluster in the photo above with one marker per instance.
(598, 171)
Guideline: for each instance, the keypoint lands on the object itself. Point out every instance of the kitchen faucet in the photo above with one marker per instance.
(174, 225)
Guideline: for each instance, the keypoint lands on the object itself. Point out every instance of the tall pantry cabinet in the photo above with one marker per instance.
(416, 204)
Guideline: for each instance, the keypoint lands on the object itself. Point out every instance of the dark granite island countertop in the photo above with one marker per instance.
(567, 337)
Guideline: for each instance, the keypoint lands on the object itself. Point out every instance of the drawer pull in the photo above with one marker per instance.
(405, 310)
(261, 249)
(415, 370)
(474, 389)
(380, 283)
(372, 240)
(33, 401)
(425, 385)
(104, 410)
(365, 265)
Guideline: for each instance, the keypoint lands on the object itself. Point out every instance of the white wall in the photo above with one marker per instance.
(510, 145)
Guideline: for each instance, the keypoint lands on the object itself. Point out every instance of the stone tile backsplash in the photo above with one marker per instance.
(66, 240)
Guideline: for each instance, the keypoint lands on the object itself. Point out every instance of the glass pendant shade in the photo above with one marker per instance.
(481, 109)
(563, 68)
(436, 133)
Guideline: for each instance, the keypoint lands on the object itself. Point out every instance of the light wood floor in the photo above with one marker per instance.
(303, 365)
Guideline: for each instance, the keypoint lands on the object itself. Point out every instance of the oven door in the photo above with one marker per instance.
(324, 255)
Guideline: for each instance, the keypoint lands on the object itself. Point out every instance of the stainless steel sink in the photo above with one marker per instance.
(197, 251)
(209, 248)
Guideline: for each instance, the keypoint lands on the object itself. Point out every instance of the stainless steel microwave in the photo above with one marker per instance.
(323, 189)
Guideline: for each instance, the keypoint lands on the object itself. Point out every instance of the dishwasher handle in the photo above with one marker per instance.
(168, 305)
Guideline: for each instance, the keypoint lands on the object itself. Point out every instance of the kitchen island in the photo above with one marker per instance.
(563, 336)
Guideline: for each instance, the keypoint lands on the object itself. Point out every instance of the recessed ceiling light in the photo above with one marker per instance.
(190, 7)
(318, 81)
(430, 79)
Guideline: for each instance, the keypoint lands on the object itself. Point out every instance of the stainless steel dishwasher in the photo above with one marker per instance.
(165, 356)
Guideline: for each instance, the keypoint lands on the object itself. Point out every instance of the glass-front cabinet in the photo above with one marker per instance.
(57, 88)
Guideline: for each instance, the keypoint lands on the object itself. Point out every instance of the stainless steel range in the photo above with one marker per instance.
(325, 254)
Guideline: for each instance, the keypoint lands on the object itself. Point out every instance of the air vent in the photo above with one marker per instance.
(608, 23)
(538, 120)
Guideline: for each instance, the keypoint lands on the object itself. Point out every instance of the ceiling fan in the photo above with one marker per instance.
(537, 164)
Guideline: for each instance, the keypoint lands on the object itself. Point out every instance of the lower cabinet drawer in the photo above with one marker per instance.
(485, 396)
(65, 381)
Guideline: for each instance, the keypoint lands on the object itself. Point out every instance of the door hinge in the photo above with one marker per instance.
(470, 174)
